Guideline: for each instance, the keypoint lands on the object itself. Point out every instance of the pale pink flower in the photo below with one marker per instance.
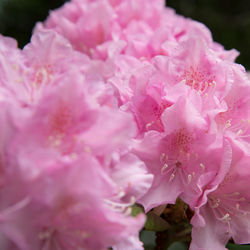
(131, 176)
(234, 121)
(88, 24)
(26, 73)
(105, 28)
(223, 210)
(196, 65)
(64, 133)
(68, 124)
(179, 157)
(75, 206)
(175, 100)
(115, 102)
(192, 69)
(11, 66)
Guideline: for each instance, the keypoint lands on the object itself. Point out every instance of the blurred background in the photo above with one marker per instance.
(229, 20)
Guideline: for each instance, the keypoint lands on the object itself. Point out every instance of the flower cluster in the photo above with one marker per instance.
(114, 103)
(66, 158)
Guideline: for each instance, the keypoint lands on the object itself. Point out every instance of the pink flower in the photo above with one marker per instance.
(66, 157)
(28, 72)
(104, 22)
(233, 122)
(109, 105)
(147, 89)
(11, 66)
(179, 157)
(175, 100)
(68, 124)
(199, 67)
(131, 175)
(66, 208)
(103, 29)
(224, 211)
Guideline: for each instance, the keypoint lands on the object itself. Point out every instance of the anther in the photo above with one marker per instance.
(202, 166)
(171, 177)
(165, 166)
(189, 178)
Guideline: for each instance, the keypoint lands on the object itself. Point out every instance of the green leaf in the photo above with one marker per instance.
(238, 247)
(156, 223)
(136, 210)
(148, 239)
(178, 246)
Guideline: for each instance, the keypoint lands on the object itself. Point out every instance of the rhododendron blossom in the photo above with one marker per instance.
(117, 112)
(56, 134)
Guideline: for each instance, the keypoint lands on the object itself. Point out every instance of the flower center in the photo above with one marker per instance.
(42, 75)
(177, 156)
(226, 206)
(199, 80)
(60, 123)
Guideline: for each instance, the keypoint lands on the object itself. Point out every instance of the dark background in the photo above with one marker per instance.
(229, 20)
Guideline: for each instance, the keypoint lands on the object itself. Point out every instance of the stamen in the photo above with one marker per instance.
(45, 234)
(162, 157)
(189, 178)
(128, 211)
(216, 203)
(226, 217)
(15, 207)
(232, 194)
(239, 132)
(171, 177)
(120, 207)
(228, 123)
(74, 156)
(87, 149)
(148, 125)
(165, 166)
(199, 80)
(121, 193)
(202, 166)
